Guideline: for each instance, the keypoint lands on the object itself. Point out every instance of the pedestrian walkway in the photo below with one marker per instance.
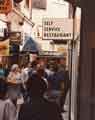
(66, 108)
(66, 114)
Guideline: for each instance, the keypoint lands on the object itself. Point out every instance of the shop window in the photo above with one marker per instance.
(14, 49)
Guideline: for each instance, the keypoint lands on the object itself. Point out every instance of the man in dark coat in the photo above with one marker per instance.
(38, 108)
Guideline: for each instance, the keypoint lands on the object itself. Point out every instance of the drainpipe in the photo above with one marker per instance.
(30, 8)
(71, 59)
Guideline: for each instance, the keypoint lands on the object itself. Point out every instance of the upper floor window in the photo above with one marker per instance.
(39, 4)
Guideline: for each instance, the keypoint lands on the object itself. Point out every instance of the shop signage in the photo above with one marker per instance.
(39, 31)
(50, 53)
(62, 50)
(16, 37)
(5, 6)
(4, 48)
(57, 29)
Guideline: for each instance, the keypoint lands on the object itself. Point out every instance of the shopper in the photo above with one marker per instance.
(14, 81)
(7, 108)
(55, 80)
(38, 108)
(28, 68)
(33, 68)
(2, 71)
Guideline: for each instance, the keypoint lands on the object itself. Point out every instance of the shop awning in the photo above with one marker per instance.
(30, 46)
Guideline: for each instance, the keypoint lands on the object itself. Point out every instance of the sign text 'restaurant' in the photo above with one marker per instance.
(56, 28)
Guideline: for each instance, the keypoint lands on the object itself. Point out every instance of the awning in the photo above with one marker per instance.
(30, 46)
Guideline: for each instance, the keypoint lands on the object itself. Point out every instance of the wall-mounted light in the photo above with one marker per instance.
(21, 22)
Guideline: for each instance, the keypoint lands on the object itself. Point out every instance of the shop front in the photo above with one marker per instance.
(52, 57)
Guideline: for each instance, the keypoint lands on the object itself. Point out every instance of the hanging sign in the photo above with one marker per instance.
(5, 6)
(16, 37)
(57, 29)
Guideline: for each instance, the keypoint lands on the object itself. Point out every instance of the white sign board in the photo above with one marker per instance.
(51, 53)
(57, 29)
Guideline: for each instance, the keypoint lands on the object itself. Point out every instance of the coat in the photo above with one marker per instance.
(39, 109)
(7, 110)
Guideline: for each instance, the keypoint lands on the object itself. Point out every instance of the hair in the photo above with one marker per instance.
(14, 66)
(34, 64)
(36, 86)
(22, 65)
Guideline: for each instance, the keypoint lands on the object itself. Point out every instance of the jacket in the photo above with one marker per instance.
(39, 109)
(7, 110)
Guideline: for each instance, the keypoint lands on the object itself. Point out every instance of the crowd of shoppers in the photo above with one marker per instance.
(33, 91)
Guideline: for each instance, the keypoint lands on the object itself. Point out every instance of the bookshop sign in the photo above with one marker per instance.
(57, 29)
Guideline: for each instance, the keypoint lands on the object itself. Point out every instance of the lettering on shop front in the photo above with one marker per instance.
(57, 34)
(51, 29)
(57, 28)
(48, 23)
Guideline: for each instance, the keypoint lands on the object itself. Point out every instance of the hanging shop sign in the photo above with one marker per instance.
(5, 6)
(16, 37)
(57, 29)
(4, 48)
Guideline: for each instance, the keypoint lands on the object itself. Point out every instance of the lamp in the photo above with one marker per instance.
(21, 22)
